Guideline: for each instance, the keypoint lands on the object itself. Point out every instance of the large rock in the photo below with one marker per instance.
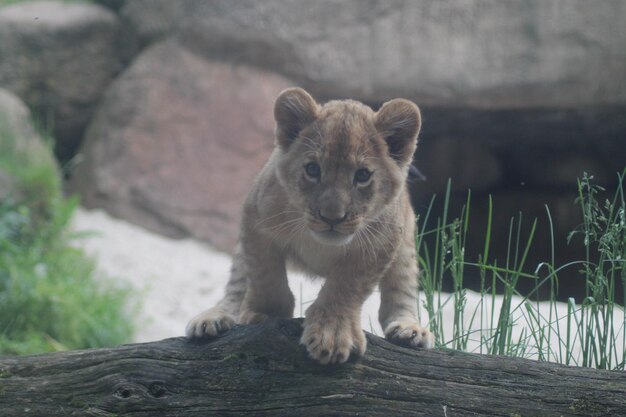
(58, 57)
(478, 53)
(177, 142)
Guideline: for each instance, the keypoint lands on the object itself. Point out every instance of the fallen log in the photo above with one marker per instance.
(262, 370)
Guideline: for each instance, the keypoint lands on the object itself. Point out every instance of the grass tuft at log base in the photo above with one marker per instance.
(588, 332)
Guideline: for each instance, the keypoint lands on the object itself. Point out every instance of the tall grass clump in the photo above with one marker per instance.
(603, 233)
(588, 332)
(50, 298)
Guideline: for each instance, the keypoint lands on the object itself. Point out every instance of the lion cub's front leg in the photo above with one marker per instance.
(267, 292)
(398, 303)
(257, 289)
(223, 316)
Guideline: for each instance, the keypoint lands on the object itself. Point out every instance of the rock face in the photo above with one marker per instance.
(177, 142)
(475, 53)
(58, 57)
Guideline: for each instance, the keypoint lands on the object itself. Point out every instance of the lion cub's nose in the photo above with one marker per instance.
(332, 219)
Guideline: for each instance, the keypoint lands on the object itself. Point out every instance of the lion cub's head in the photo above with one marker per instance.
(341, 162)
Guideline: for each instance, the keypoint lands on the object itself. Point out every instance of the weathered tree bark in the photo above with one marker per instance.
(261, 370)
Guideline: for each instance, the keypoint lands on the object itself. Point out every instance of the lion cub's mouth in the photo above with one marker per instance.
(332, 237)
(330, 233)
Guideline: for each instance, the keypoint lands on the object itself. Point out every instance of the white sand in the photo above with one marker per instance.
(176, 279)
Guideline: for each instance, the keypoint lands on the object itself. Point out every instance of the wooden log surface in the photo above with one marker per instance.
(261, 370)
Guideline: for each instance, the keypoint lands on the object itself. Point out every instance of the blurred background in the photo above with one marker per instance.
(160, 111)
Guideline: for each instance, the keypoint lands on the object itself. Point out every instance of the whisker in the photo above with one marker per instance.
(380, 238)
(284, 225)
(296, 231)
(260, 222)
(370, 250)
(359, 241)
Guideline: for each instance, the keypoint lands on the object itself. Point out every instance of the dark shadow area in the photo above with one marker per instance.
(526, 160)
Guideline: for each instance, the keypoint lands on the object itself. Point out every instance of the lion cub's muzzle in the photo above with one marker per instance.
(336, 229)
(332, 220)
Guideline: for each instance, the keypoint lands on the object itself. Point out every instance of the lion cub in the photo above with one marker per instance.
(332, 199)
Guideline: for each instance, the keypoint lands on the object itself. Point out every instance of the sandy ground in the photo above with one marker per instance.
(176, 279)
(173, 279)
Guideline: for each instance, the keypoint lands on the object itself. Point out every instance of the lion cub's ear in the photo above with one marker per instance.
(399, 122)
(293, 111)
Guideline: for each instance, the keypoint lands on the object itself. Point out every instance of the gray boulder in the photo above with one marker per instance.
(476, 53)
(177, 142)
(58, 57)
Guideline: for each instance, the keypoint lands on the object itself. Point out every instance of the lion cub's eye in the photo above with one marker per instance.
(362, 175)
(313, 170)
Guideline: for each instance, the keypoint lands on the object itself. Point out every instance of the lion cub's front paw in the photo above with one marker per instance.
(410, 334)
(252, 317)
(332, 340)
(210, 322)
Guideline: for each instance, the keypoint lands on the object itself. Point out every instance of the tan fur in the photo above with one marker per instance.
(355, 234)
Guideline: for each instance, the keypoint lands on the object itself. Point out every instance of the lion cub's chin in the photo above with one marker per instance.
(332, 237)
